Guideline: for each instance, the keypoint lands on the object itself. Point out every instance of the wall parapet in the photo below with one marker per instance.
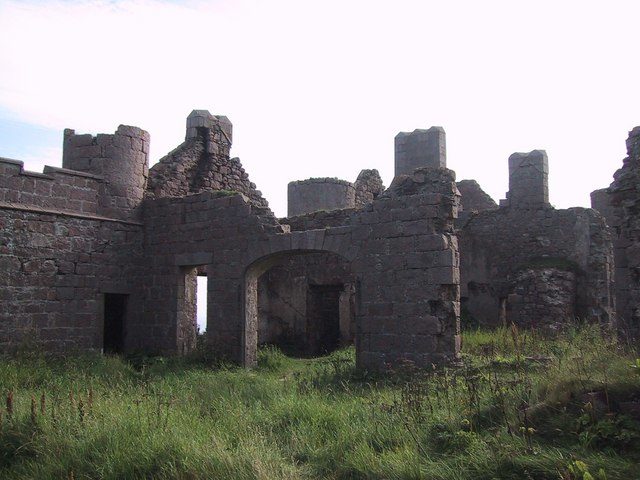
(55, 188)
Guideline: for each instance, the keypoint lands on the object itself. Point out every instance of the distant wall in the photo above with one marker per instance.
(497, 245)
(283, 313)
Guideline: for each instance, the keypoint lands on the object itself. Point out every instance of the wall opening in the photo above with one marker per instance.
(323, 318)
(115, 310)
(201, 303)
(191, 307)
(303, 302)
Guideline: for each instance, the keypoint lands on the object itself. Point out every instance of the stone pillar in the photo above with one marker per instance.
(307, 196)
(528, 179)
(420, 148)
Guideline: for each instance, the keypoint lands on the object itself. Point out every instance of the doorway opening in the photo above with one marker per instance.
(115, 310)
(201, 302)
(301, 302)
(323, 317)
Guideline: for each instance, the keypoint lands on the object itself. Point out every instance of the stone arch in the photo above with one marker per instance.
(259, 264)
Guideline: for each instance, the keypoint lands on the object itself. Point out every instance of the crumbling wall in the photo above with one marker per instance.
(72, 240)
(401, 248)
(527, 240)
(496, 245)
(543, 297)
(59, 255)
(473, 198)
(368, 187)
(620, 204)
(409, 272)
(202, 163)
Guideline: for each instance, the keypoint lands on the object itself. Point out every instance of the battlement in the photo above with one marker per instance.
(56, 189)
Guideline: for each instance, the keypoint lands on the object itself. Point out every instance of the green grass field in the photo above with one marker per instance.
(521, 407)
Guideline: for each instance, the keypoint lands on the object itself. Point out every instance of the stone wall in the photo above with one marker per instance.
(543, 298)
(497, 245)
(620, 204)
(202, 163)
(73, 243)
(54, 271)
(56, 188)
(473, 198)
(401, 248)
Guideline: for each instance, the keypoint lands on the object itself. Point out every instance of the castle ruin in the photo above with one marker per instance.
(103, 254)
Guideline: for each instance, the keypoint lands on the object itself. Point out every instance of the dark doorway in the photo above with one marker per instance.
(115, 309)
(323, 317)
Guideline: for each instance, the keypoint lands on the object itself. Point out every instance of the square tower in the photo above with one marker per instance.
(528, 179)
(420, 148)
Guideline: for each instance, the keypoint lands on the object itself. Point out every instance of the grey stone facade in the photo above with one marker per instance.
(529, 263)
(104, 253)
(105, 256)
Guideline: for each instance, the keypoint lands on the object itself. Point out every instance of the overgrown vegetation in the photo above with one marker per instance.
(521, 407)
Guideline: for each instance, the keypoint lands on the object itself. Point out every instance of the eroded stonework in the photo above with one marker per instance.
(104, 255)
(620, 204)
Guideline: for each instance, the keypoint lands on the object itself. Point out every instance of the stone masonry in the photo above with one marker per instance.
(529, 263)
(420, 148)
(620, 205)
(103, 254)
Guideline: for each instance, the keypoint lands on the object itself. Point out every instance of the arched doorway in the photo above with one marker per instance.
(302, 301)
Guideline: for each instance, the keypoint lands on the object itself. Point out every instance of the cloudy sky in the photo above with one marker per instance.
(320, 88)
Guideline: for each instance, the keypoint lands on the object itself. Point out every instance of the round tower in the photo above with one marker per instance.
(307, 196)
(122, 159)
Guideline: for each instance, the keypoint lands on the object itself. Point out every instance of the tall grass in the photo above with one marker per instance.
(521, 407)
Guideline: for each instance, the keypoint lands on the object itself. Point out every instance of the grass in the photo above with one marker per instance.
(521, 407)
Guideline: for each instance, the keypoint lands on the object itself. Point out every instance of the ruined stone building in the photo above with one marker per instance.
(103, 254)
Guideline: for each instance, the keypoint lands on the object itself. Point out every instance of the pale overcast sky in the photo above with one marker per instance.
(320, 88)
